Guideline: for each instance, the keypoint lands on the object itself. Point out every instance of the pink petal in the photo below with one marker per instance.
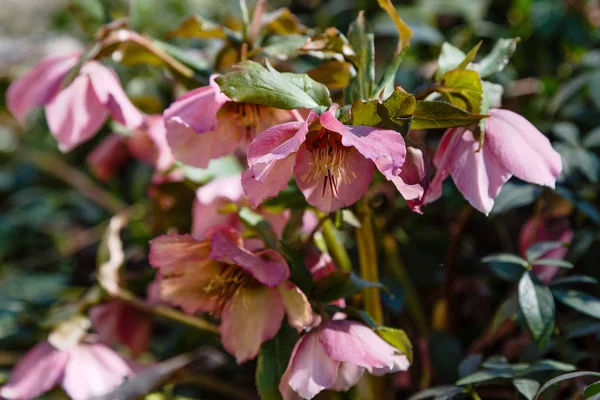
(413, 181)
(386, 148)
(250, 318)
(157, 132)
(94, 370)
(268, 266)
(309, 370)
(355, 343)
(521, 149)
(348, 376)
(75, 114)
(37, 372)
(347, 193)
(274, 177)
(196, 110)
(108, 89)
(108, 157)
(185, 270)
(39, 85)
(298, 309)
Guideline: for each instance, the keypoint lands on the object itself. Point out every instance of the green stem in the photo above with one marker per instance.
(398, 269)
(334, 244)
(367, 254)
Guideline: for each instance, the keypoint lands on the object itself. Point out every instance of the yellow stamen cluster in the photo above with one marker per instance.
(330, 163)
(248, 116)
(227, 284)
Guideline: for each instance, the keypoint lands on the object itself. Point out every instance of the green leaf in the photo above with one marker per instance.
(464, 89)
(341, 284)
(541, 248)
(469, 364)
(90, 14)
(514, 195)
(537, 306)
(439, 392)
(527, 387)
(257, 224)
(196, 63)
(363, 43)
(330, 44)
(272, 361)
(552, 262)
(549, 365)
(592, 390)
(575, 279)
(592, 139)
(506, 258)
(397, 338)
(498, 58)
(439, 114)
(299, 274)
(506, 266)
(365, 113)
(485, 376)
(283, 47)
(262, 84)
(579, 301)
(565, 377)
(470, 56)
(400, 106)
(567, 132)
(450, 57)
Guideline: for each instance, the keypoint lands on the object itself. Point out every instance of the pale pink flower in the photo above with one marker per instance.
(513, 146)
(75, 113)
(83, 370)
(413, 181)
(334, 357)
(332, 162)
(248, 290)
(204, 124)
(543, 229)
(108, 157)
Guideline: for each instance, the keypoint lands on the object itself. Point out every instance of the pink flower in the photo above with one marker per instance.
(334, 357)
(413, 181)
(247, 290)
(108, 157)
(204, 124)
(332, 162)
(149, 144)
(542, 229)
(77, 112)
(513, 146)
(84, 370)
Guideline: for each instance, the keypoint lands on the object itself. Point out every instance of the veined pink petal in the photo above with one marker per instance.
(108, 89)
(298, 309)
(75, 114)
(93, 370)
(106, 159)
(196, 110)
(386, 148)
(520, 148)
(250, 318)
(348, 376)
(355, 343)
(278, 142)
(272, 178)
(268, 266)
(185, 270)
(38, 86)
(359, 174)
(309, 370)
(37, 372)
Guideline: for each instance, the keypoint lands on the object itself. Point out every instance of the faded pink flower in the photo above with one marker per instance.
(334, 357)
(75, 113)
(108, 157)
(204, 124)
(248, 290)
(542, 229)
(413, 181)
(332, 162)
(84, 370)
(149, 144)
(513, 146)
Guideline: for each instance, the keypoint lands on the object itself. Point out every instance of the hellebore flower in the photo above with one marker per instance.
(75, 113)
(334, 356)
(332, 162)
(204, 124)
(413, 181)
(84, 370)
(513, 146)
(247, 290)
(543, 229)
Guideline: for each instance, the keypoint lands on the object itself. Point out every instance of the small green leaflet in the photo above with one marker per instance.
(440, 114)
(537, 306)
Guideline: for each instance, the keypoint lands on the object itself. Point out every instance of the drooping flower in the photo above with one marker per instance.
(332, 162)
(513, 146)
(544, 229)
(204, 124)
(335, 356)
(75, 113)
(84, 370)
(413, 181)
(248, 290)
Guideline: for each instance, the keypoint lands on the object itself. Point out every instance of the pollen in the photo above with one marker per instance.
(227, 284)
(328, 162)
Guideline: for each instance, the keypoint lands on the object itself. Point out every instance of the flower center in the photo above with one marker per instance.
(225, 285)
(328, 161)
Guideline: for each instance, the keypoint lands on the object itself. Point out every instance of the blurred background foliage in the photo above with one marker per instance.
(51, 219)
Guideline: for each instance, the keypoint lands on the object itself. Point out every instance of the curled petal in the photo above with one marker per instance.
(196, 110)
(268, 266)
(267, 180)
(413, 181)
(297, 306)
(39, 85)
(250, 318)
(348, 376)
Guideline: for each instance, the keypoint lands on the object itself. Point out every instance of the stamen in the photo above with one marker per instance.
(248, 116)
(226, 285)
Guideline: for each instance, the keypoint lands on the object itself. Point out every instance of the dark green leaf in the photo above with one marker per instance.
(580, 301)
(541, 248)
(498, 58)
(549, 365)
(440, 114)
(527, 387)
(439, 392)
(272, 361)
(506, 266)
(262, 84)
(469, 364)
(400, 105)
(257, 224)
(445, 354)
(340, 285)
(588, 163)
(565, 377)
(450, 57)
(552, 262)
(514, 195)
(365, 113)
(506, 258)
(592, 139)
(496, 362)
(575, 279)
(397, 338)
(485, 376)
(464, 89)
(363, 42)
(592, 390)
(537, 306)
(283, 47)
(567, 132)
